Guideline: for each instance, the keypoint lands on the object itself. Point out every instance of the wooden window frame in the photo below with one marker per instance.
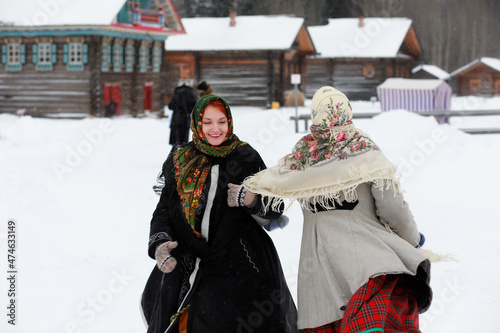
(369, 71)
(475, 86)
(15, 62)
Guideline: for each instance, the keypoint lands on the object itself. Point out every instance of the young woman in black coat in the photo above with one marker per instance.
(217, 269)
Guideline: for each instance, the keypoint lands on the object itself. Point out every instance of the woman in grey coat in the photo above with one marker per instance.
(360, 269)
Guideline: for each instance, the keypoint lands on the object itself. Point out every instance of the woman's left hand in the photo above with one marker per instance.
(238, 196)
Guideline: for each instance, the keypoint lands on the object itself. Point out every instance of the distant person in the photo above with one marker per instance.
(182, 104)
(360, 269)
(204, 89)
(111, 109)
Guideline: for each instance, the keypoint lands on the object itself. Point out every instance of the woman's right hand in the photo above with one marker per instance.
(165, 262)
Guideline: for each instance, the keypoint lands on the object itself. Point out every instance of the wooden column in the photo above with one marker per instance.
(96, 84)
(135, 89)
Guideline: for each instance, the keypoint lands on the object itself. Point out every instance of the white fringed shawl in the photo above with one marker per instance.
(323, 182)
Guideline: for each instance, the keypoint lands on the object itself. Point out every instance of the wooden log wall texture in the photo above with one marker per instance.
(47, 93)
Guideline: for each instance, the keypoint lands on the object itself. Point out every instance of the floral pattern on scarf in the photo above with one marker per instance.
(333, 137)
(192, 162)
(332, 114)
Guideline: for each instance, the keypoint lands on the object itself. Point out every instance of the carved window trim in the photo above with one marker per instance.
(369, 71)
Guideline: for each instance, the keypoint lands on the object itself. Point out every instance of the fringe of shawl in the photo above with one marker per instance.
(328, 195)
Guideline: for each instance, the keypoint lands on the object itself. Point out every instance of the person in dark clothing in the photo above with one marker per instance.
(181, 104)
(111, 109)
(217, 270)
(204, 89)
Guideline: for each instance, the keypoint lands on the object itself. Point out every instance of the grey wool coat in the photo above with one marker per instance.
(343, 248)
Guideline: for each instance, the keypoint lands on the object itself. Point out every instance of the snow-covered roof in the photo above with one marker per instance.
(343, 38)
(490, 62)
(48, 13)
(432, 69)
(271, 32)
(416, 84)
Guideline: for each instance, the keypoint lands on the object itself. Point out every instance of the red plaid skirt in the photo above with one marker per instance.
(383, 304)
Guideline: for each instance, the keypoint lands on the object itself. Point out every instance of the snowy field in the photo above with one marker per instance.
(79, 192)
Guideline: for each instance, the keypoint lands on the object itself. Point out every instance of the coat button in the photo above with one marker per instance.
(343, 307)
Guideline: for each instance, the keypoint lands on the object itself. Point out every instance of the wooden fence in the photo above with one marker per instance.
(438, 114)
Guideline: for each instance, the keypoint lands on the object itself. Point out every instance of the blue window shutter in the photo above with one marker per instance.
(54, 54)
(85, 57)
(23, 53)
(120, 54)
(109, 52)
(34, 53)
(4, 54)
(65, 53)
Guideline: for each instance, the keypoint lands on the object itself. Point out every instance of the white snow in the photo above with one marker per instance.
(59, 12)
(256, 32)
(491, 62)
(343, 37)
(80, 194)
(402, 83)
(432, 69)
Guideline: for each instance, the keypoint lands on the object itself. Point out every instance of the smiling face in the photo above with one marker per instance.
(214, 125)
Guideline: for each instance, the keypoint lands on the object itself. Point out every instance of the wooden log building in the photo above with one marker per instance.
(480, 77)
(246, 59)
(82, 55)
(355, 55)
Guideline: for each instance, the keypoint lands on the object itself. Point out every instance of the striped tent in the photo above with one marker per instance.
(414, 94)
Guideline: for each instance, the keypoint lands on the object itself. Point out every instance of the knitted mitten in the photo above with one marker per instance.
(165, 262)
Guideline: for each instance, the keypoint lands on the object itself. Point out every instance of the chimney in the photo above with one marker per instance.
(232, 16)
(361, 23)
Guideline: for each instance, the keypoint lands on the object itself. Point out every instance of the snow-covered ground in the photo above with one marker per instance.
(79, 192)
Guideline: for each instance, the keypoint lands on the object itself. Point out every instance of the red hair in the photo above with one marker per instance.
(219, 105)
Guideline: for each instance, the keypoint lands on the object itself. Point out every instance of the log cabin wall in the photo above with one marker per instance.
(357, 78)
(318, 73)
(242, 78)
(132, 88)
(133, 85)
(254, 78)
(57, 89)
(38, 92)
(481, 80)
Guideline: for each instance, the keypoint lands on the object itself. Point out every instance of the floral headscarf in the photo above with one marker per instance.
(332, 134)
(193, 162)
